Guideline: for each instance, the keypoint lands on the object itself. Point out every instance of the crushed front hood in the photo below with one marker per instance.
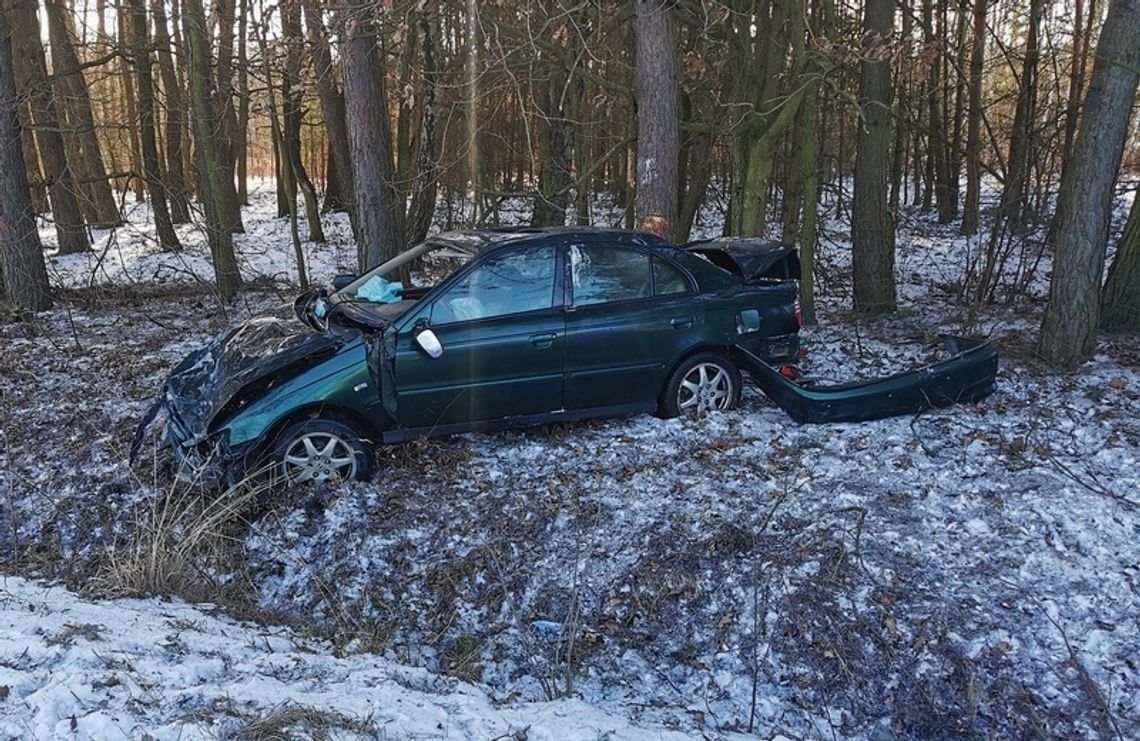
(210, 377)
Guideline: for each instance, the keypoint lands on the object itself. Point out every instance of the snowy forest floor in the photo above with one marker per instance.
(972, 572)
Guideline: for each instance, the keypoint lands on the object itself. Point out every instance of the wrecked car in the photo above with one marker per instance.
(525, 327)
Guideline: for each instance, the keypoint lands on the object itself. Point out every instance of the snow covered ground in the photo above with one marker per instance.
(75, 668)
(973, 571)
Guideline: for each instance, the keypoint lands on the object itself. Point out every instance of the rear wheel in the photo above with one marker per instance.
(321, 450)
(704, 383)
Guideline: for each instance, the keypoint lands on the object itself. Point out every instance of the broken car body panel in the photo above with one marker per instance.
(969, 374)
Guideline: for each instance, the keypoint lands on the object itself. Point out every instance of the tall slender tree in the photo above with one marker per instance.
(211, 174)
(1084, 206)
(176, 187)
(75, 107)
(152, 171)
(23, 276)
(658, 132)
(31, 73)
(872, 225)
(1120, 306)
(378, 210)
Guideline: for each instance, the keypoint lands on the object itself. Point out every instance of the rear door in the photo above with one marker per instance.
(632, 314)
(503, 333)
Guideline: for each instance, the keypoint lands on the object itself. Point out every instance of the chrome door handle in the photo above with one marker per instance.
(681, 322)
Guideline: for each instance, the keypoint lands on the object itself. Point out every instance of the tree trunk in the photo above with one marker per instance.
(175, 118)
(424, 186)
(378, 209)
(98, 202)
(209, 165)
(332, 106)
(658, 134)
(291, 136)
(23, 276)
(554, 159)
(129, 110)
(1078, 66)
(224, 11)
(140, 53)
(1011, 205)
(28, 64)
(1068, 332)
(241, 153)
(872, 231)
(974, 122)
(1120, 306)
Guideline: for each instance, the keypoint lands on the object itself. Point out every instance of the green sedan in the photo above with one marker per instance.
(523, 327)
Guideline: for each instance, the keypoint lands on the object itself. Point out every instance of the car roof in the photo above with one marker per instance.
(481, 240)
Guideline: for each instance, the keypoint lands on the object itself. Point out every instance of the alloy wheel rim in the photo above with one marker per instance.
(707, 387)
(319, 456)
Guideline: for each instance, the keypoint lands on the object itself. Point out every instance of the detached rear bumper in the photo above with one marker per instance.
(968, 375)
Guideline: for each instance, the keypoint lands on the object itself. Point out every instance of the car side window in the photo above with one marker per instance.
(601, 273)
(505, 284)
(668, 279)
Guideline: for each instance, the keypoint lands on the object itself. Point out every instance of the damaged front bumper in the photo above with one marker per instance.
(969, 374)
(206, 461)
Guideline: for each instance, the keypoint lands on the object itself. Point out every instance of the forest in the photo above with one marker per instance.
(395, 111)
(170, 168)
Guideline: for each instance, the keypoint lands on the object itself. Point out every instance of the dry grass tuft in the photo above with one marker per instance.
(300, 722)
(175, 538)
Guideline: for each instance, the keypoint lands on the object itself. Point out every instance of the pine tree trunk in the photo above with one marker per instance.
(291, 99)
(23, 276)
(378, 210)
(176, 188)
(129, 109)
(974, 122)
(242, 143)
(425, 185)
(140, 53)
(209, 165)
(1084, 206)
(31, 74)
(224, 105)
(332, 107)
(98, 202)
(872, 232)
(658, 135)
(1120, 306)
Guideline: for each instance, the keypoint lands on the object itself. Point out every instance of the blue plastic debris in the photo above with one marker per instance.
(380, 291)
(547, 628)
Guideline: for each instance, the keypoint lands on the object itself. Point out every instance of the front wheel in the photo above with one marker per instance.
(321, 450)
(708, 382)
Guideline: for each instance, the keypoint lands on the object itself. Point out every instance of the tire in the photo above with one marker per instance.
(682, 392)
(321, 450)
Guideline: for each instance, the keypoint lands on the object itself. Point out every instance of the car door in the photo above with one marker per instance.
(502, 329)
(631, 315)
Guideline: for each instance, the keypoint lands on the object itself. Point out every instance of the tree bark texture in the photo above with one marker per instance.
(332, 105)
(1120, 305)
(1084, 206)
(378, 209)
(658, 133)
(28, 63)
(152, 171)
(23, 276)
(176, 122)
(974, 121)
(872, 228)
(209, 162)
(97, 201)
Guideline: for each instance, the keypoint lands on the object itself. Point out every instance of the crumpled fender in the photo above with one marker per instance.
(968, 375)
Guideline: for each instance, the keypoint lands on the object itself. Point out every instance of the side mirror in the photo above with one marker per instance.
(429, 343)
(342, 281)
